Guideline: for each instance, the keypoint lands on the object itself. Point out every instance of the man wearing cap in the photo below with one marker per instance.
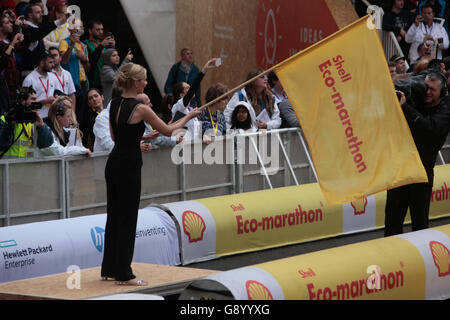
(400, 64)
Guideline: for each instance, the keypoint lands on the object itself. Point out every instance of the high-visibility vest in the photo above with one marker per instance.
(24, 144)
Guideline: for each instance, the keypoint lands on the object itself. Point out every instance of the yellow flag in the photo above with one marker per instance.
(343, 95)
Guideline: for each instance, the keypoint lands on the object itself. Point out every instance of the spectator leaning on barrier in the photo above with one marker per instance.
(103, 141)
(213, 120)
(184, 71)
(95, 107)
(66, 141)
(429, 122)
(21, 138)
(152, 137)
(43, 82)
(287, 114)
(425, 31)
(243, 119)
(261, 99)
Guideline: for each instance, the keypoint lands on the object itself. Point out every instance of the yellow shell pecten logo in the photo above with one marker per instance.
(441, 257)
(193, 225)
(359, 206)
(257, 291)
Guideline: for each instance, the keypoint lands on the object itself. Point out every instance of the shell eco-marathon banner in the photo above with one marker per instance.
(231, 224)
(414, 265)
(43, 248)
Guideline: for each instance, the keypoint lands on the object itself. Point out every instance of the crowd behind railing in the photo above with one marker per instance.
(57, 81)
(421, 30)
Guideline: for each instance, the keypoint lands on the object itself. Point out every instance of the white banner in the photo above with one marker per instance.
(43, 248)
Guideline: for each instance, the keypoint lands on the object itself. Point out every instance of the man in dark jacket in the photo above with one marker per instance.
(429, 122)
(184, 71)
(398, 20)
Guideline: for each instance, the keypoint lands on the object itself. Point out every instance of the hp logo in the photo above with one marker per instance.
(98, 238)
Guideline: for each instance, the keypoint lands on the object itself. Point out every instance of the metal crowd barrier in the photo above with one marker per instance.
(65, 187)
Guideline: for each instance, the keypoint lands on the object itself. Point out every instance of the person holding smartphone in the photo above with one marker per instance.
(425, 30)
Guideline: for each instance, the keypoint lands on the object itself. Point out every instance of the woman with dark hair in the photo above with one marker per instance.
(243, 118)
(95, 106)
(259, 96)
(110, 68)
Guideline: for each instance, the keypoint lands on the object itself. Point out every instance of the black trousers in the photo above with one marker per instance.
(123, 186)
(417, 198)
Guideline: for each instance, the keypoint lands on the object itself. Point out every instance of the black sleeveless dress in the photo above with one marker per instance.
(123, 186)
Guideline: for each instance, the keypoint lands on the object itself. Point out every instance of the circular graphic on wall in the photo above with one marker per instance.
(284, 28)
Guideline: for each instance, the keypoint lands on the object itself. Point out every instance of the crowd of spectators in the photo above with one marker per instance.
(70, 69)
(422, 31)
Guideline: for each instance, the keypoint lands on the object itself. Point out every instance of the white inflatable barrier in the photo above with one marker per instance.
(414, 265)
(43, 248)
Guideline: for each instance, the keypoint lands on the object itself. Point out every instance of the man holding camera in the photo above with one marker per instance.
(22, 130)
(425, 31)
(96, 44)
(429, 122)
(74, 58)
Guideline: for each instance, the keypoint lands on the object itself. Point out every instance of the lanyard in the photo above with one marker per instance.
(58, 35)
(28, 128)
(426, 29)
(63, 83)
(148, 125)
(45, 88)
(216, 125)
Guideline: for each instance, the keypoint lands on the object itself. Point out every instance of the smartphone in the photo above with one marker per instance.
(218, 62)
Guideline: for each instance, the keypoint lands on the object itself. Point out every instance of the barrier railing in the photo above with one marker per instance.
(63, 187)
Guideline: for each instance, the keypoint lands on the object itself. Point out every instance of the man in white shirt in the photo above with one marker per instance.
(103, 141)
(43, 82)
(65, 82)
(425, 31)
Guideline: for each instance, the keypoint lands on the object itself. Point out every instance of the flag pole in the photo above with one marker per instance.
(232, 91)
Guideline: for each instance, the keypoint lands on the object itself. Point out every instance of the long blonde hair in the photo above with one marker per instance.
(59, 108)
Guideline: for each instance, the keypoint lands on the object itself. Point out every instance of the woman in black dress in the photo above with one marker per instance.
(123, 172)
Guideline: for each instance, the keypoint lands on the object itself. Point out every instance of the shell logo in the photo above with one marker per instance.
(441, 257)
(359, 206)
(193, 225)
(257, 291)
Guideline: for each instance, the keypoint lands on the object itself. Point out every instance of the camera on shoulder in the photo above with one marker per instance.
(20, 111)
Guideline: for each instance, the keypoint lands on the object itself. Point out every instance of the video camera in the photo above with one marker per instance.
(413, 87)
(21, 113)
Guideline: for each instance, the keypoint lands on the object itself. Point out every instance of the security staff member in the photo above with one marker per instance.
(429, 122)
